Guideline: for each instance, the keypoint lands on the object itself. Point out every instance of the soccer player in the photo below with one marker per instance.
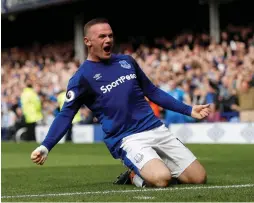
(114, 88)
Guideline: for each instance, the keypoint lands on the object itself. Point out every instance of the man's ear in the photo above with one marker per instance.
(87, 41)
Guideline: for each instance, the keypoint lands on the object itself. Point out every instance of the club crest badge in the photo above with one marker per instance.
(139, 157)
(124, 64)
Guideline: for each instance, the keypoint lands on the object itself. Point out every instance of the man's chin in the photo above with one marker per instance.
(106, 56)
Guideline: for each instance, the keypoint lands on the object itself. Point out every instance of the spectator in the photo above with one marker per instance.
(178, 94)
(246, 100)
(228, 101)
(31, 107)
(156, 109)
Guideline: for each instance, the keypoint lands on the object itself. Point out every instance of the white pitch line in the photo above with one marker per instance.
(129, 191)
(143, 197)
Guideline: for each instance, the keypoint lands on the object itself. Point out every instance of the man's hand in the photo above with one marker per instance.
(200, 111)
(235, 107)
(39, 155)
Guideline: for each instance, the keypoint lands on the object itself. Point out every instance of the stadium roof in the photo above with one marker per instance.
(12, 6)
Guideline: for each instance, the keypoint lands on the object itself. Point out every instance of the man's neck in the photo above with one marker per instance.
(96, 59)
(93, 58)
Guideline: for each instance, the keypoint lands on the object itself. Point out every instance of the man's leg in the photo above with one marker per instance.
(141, 158)
(30, 131)
(193, 174)
(181, 161)
(165, 160)
(156, 173)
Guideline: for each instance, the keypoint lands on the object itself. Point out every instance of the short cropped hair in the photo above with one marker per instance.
(94, 22)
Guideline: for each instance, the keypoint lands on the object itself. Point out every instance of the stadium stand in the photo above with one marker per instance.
(190, 67)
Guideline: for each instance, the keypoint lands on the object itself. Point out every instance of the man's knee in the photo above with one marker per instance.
(156, 173)
(194, 174)
(200, 179)
(162, 179)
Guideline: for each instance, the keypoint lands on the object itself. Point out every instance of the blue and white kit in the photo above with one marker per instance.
(115, 91)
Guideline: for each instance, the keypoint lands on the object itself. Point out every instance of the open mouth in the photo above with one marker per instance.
(107, 49)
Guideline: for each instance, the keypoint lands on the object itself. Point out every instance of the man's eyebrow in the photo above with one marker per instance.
(103, 34)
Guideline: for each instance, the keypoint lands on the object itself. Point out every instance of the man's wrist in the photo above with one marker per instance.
(43, 148)
(189, 110)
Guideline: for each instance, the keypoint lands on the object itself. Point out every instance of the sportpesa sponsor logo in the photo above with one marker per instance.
(119, 81)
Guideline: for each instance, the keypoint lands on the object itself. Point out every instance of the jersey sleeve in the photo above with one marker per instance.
(157, 95)
(76, 91)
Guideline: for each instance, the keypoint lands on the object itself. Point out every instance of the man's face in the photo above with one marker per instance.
(99, 41)
(245, 85)
(172, 84)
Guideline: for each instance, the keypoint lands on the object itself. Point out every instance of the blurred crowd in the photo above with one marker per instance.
(197, 70)
(192, 68)
(45, 70)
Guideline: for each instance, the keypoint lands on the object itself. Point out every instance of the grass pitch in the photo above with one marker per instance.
(85, 172)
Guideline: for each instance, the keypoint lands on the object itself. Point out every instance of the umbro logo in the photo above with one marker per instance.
(97, 76)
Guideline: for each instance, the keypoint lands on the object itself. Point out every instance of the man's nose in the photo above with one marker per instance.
(108, 39)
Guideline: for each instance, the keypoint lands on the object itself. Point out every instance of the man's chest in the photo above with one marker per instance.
(114, 79)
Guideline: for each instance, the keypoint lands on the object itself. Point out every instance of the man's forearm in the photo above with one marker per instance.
(166, 101)
(58, 129)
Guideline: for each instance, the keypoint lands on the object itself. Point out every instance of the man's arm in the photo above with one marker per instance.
(74, 99)
(158, 96)
(63, 120)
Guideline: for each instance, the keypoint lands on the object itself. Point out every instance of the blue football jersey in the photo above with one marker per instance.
(114, 90)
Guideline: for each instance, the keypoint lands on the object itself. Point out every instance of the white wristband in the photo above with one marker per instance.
(43, 150)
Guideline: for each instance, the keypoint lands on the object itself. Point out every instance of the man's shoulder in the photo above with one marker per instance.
(86, 66)
(78, 77)
(119, 57)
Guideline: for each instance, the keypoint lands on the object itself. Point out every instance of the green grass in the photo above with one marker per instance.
(85, 168)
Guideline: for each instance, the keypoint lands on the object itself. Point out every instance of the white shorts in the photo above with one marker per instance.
(157, 143)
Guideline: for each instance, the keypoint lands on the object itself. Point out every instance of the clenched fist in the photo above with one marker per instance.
(39, 155)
